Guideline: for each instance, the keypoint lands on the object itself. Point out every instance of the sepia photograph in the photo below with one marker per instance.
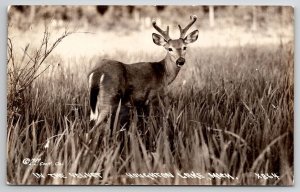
(150, 95)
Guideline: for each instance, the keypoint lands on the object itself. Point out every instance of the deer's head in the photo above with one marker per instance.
(176, 47)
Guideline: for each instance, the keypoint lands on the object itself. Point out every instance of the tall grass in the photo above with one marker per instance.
(230, 110)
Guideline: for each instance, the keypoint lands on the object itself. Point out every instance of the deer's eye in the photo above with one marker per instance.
(170, 49)
(184, 48)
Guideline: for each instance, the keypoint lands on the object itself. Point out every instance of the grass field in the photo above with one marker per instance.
(231, 110)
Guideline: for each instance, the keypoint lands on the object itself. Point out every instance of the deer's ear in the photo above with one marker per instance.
(158, 39)
(192, 37)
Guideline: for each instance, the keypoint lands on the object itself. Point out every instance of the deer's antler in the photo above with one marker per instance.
(165, 34)
(183, 31)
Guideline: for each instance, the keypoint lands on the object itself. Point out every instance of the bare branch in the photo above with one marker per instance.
(22, 78)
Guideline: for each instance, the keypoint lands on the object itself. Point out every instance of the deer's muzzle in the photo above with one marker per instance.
(180, 62)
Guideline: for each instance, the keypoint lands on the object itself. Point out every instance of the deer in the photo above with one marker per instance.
(136, 84)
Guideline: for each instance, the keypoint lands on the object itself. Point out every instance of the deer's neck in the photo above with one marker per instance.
(171, 69)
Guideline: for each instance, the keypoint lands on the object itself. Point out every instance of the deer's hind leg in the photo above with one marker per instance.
(100, 99)
(104, 106)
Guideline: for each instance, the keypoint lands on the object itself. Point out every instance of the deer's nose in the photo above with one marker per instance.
(180, 61)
